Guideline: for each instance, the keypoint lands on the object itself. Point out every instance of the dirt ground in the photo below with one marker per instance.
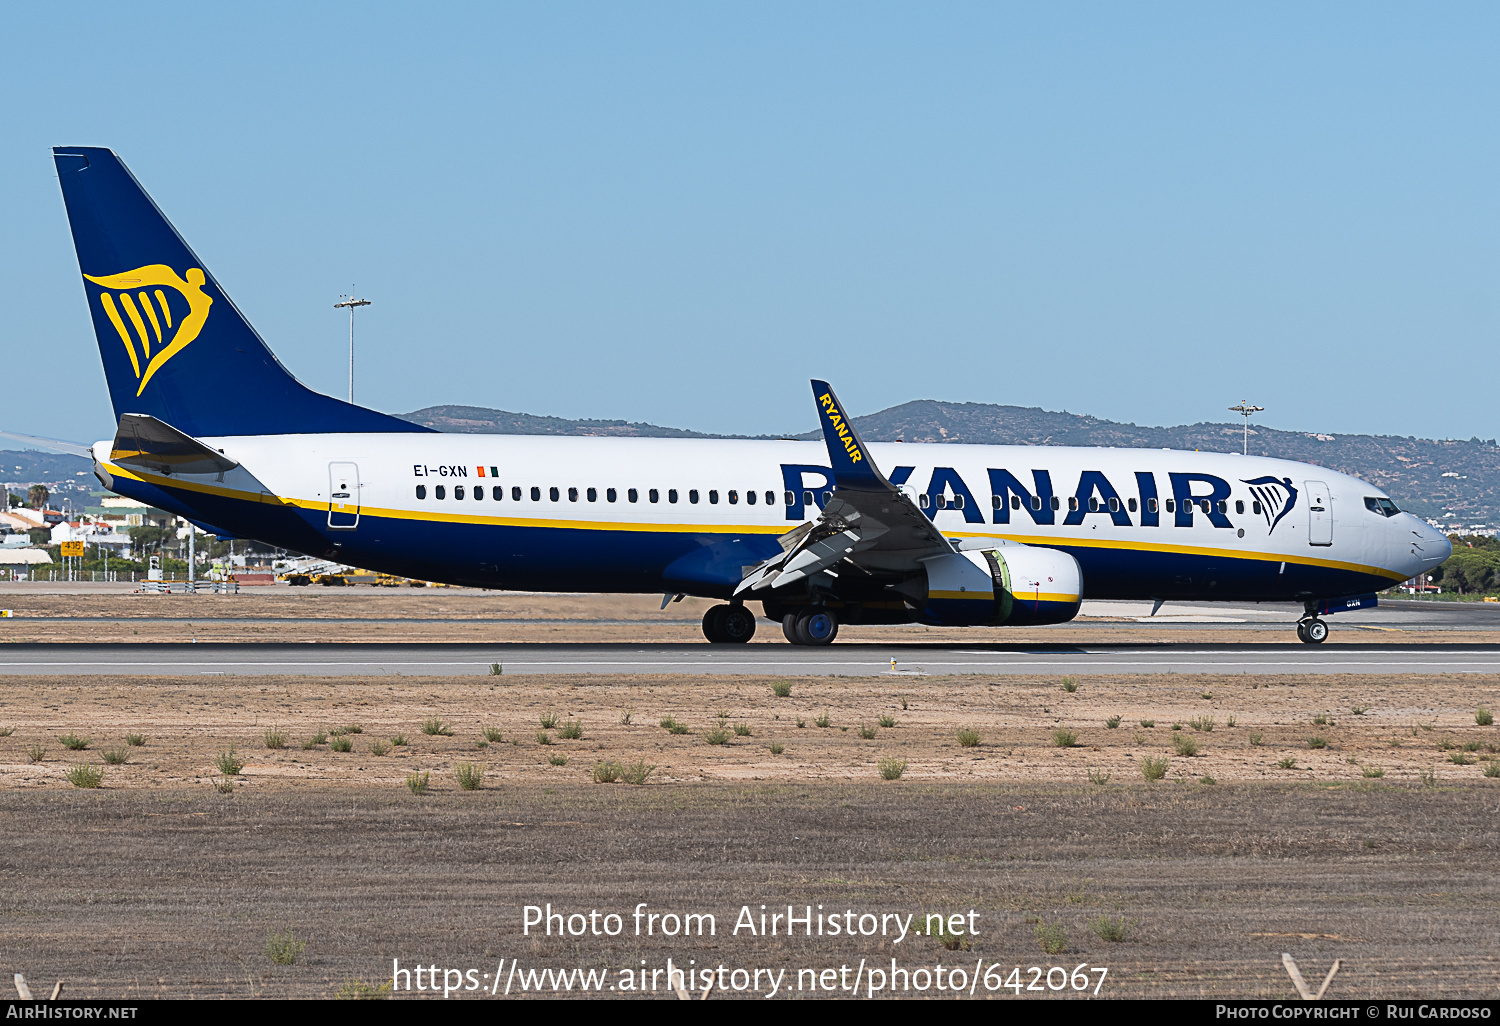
(114, 614)
(159, 884)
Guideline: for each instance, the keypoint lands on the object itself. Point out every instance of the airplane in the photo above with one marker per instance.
(819, 534)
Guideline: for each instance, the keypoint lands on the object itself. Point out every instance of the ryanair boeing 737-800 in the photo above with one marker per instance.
(817, 534)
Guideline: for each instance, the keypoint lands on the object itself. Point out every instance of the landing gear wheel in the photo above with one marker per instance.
(816, 627)
(728, 625)
(737, 625)
(713, 624)
(1302, 632)
(1315, 632)
(789, 628)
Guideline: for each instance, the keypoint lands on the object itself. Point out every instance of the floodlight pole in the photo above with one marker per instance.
(351, 303)
(1244, 409)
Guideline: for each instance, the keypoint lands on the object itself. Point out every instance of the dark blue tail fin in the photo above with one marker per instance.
(169, 335)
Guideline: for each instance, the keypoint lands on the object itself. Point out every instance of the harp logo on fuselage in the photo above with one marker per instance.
(158, 334)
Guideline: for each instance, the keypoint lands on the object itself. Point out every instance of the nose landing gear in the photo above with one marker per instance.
(1312, 631)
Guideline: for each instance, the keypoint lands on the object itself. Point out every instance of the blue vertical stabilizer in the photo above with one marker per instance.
(169, 335)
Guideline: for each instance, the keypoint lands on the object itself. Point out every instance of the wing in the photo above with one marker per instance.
(867, 523)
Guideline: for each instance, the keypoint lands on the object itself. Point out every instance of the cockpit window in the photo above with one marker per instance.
(1385, 507)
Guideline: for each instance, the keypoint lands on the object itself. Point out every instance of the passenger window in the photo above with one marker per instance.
(633, 495)
(1056, 504)
(497, 493)
(941, 500)
(734, 497)
(654, 495)
(1131, 505)
(478, 493)
(593, 494)
(693, 495)
(572, 494)
(771, 498)
(713, 495)
(791, 500)
(807, 499)
(536, 494)
(1015, 502)
(1114, 505)
(1255, 507)
(610, 494)
(1036, 502)
(671, 494)
(924, 501)
(1151, 506)
(1204, 505)
(1171, 505)
(1073, 503)
(438, 491)
(827, 497)
(995, 501)
(458, 491)
(1093, 504)
(421, 491)
(1239, 505)
(750, 497)
(552, 493)
(958, 502)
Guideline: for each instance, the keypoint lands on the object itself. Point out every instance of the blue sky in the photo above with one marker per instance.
(679, 213)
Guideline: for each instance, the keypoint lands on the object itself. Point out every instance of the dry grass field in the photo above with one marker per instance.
(170, 878)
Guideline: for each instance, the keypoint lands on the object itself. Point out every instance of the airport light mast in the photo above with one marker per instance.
(1244, 409)
(351, 303)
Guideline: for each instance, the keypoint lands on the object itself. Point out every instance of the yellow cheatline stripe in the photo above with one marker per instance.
(135, 318)
(166, 311)
(595, 525)
(108, 302)
(1019, 596)
(448, 518)
(150, 314)
(1186, 550)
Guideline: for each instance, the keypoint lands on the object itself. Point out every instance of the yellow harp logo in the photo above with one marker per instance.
(156, 348)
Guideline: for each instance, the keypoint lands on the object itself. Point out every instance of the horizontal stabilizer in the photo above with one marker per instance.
(145, 443)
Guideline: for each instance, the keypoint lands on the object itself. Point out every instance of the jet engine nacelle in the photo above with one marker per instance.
(1008, 584)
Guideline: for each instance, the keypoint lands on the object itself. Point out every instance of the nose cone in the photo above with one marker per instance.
(1428, 545)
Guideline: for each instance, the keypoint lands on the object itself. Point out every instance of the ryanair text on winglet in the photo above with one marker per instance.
(837, 420)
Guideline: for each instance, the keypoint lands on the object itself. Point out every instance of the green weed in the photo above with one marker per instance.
(1148, 724)
(1069, 685)
(1063, 738)
(1112, 722)
(1492, 769)
(1484, 717)
(607, 772)
(742, 730)
(116, 756)
(866, 731)
(777, 747)
(636, 772)
(823, 721)
(36, 753)
(83, 775)
(435, 727)
(228, 763)
(491, 734)
(275, 738)
(548, 719)
(379, 747)
(543, 738)
(359, 990)
(1203, 723)
(717, 736)
(1097, 776)
(342, 743)
(969, 738)
(1186, 745)
(1257, 738)
(496, 670)
(891, 768)
(470, 775)
(1154, 769)
(1317, 741)
(887, 720)
(284, 948)
(1114, 930)
(1287, 763)
(782, 689)
(1372, 772)
(1460, 758)
(416, 783)
(1052, 937)
(557, 760)
(135, 740)
(73, 743)
(571, 730)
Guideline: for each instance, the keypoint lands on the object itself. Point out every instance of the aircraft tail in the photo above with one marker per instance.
(174, 345)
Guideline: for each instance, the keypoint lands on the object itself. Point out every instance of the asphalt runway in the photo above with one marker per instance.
(852, 660)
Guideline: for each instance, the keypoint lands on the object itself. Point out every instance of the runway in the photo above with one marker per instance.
(851, 660)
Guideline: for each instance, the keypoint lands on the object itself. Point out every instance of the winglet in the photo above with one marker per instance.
(852, 466)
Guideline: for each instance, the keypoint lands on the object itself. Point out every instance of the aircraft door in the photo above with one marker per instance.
(343, 496)
(1319, 514)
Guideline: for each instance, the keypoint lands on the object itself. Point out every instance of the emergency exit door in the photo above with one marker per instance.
(343, 496)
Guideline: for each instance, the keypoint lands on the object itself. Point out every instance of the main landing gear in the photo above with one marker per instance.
(728, 625)
(1312, 631)
(814, 626)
